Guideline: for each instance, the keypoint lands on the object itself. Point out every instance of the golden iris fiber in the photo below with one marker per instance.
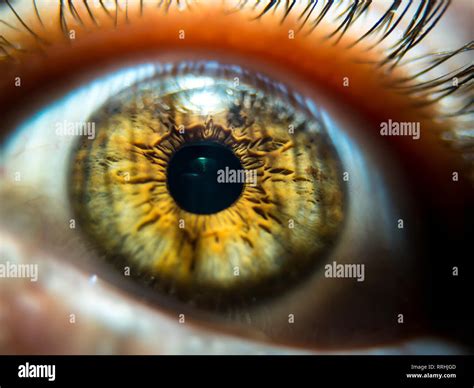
(276, 227)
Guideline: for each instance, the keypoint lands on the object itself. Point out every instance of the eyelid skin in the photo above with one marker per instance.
(309, 63)
(136, 331)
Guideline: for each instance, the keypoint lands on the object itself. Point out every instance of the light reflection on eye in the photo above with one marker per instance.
(377, 198)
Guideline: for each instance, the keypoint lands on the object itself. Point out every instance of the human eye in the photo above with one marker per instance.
(347, 232)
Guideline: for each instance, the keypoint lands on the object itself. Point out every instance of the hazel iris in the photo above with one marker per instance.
(147, 192)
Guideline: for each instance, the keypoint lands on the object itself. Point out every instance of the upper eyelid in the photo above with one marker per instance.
(428, 89)
(406, 88)
(412, 32)
(30, 21)
(308, 15)
(312, 15)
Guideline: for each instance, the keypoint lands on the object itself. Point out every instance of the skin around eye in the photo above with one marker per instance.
(297, 57)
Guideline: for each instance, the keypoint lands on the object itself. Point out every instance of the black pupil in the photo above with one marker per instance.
(193, 177)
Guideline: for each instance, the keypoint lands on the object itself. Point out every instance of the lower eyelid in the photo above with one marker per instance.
(39, 322)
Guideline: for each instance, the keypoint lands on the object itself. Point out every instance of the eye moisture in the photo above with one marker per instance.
(206, 187)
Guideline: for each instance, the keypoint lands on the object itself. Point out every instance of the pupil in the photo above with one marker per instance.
(193, 173)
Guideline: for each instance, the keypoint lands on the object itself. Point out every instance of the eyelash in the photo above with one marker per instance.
(427, 15)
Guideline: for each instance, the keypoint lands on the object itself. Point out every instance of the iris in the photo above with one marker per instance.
(148, 190)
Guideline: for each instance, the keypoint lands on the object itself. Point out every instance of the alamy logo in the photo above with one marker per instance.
(13, 270)
(37, 371)
(394, 128)
(237, 176)
(76, 128)
(334, 270)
